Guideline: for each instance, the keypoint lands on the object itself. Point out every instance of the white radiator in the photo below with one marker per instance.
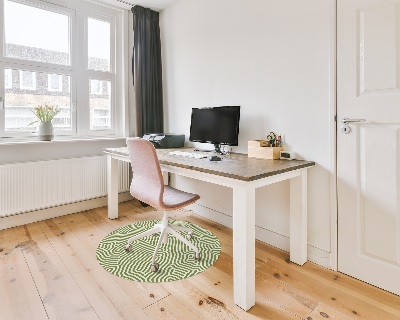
(38, 185)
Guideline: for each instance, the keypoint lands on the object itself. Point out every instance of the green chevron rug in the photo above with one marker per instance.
(175, 258)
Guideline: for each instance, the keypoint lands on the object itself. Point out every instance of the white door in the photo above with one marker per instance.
(368, 84)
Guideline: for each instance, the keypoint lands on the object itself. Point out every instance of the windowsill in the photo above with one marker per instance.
(60, 139)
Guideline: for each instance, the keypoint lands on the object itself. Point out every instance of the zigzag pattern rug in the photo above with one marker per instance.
(176, 260)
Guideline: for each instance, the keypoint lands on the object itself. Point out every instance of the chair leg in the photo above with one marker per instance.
(179, 228)
(143, 234)
(185, 229)
(164, 223)
(160, 240)
(164, 229)
(185, 241)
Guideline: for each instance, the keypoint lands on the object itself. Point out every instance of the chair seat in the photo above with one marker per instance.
(174, 198)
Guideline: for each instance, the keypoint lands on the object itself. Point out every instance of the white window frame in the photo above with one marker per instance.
(79, 11)
(39, 67)
(8, 84)
(50, 82)
(103, 75)
(22, 86)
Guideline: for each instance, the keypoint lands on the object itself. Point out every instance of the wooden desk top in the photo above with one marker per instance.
(235, 165)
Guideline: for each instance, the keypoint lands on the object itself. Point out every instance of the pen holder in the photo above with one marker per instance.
(255, 149)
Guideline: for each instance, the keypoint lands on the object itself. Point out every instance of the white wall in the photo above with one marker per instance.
(273, 58)
(14, 152)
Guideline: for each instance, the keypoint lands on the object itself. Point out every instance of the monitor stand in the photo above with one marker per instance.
(217, 148)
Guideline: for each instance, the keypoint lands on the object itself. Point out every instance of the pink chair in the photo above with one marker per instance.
(148, 186)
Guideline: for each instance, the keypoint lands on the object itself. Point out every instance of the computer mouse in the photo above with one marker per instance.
(214, 158)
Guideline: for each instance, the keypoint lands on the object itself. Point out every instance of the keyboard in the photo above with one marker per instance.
(188, 154)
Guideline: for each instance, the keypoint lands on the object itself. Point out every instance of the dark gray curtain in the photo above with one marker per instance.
(147, 71)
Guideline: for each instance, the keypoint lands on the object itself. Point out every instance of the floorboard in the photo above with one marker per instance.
(48, 270)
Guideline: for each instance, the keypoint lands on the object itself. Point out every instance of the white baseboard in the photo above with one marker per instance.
(315, 255)
(39, 215)
(212, 215)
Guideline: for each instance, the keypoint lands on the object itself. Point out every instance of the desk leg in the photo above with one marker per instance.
(112, 187)
(298, 218)
(165, 175)
(244, 247)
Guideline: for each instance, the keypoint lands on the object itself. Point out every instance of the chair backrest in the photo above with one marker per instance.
(147, 181)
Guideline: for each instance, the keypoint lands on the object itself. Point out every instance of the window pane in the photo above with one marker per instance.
(44, 39)
(98, 45)
(100, 105)
(19, 101)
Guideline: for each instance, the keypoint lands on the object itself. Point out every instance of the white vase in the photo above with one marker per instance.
(45, 131)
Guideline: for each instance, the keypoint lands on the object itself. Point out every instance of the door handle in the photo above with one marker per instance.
(347, 120)
(345, 128)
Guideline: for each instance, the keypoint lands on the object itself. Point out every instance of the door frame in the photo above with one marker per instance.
(334, 127)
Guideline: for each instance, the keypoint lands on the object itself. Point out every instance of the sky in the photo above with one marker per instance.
(30, 26)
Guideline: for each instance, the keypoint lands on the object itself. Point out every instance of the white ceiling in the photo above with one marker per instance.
(157, 5)
(154, 4)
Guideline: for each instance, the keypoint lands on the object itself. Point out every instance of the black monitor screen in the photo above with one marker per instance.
(219, 125)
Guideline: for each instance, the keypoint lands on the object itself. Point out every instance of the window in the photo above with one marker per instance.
(101, 77)
(27, 80)
(7, 79)
(98, 45)
(39, 42)
(71, 64)
(100, 107)
(54, 82)
(20, 101)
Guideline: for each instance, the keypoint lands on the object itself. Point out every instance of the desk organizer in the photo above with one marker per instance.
(258, 149)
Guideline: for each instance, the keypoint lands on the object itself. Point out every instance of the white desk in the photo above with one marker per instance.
(243, 175)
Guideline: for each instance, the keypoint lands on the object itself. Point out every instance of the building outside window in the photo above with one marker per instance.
(27, 80)
(54, 82)
(19, 102)
(101, 118)
(100, 105)
(96, 87)
(7, 79)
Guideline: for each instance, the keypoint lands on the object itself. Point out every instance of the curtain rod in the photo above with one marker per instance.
(127, 3)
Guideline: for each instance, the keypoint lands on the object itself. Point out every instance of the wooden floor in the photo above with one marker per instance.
(48, 270)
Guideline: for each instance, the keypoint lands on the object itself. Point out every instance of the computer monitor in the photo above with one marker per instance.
(218, 125)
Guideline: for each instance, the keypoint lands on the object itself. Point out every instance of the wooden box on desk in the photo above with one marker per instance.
(255, 149)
